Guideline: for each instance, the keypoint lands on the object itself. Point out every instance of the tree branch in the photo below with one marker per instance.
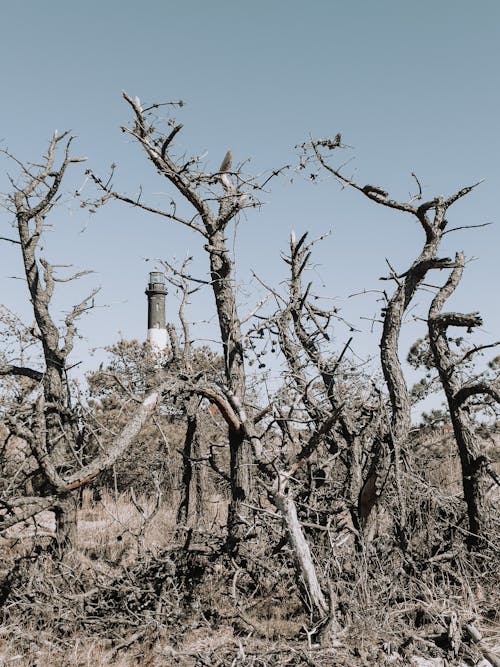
(482, 387)
(21, 370)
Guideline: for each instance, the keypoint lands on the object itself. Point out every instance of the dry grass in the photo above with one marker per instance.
(130, 593)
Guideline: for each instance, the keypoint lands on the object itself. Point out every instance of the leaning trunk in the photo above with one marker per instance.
(306, 570)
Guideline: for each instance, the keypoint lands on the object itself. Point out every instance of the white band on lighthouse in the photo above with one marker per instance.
(157, 339)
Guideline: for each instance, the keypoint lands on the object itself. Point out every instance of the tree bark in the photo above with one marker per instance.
(308, 578)
(471, 460)
(65, 511)
(230, 329)
(193, 478)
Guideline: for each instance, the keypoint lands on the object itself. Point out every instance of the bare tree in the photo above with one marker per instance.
(193, 488)
(310, 464)
(432, 218)
(348, 416)
(216, 199)
(50, 424)
(474, 463)
(271, 444)
(30, 203)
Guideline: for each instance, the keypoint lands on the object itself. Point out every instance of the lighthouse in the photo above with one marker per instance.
(156, 292)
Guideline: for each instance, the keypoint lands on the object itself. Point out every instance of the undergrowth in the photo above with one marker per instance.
(139, 590)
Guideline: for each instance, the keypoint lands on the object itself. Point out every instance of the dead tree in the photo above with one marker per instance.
(30, 203)
(321, 383)
(216, 199)
(193, 472)
(474, 463)
(50, 424)
(18, 508)
(432, 218)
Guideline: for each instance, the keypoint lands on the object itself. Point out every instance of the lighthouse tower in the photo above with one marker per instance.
(156, 291)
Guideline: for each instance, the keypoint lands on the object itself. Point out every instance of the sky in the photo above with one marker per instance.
(412, 87)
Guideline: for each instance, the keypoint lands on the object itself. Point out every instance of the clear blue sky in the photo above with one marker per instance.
(411, 86)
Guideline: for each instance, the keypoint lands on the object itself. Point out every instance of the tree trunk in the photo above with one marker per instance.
(59, 436)
(193, 479)
(308, 579)
(183, 511)
(389, 357)
(230, 329)
(241, 484)
(66, 525)
(472, 463)
(473, 478)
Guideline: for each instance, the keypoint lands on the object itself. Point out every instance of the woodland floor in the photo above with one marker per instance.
(132, 594)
